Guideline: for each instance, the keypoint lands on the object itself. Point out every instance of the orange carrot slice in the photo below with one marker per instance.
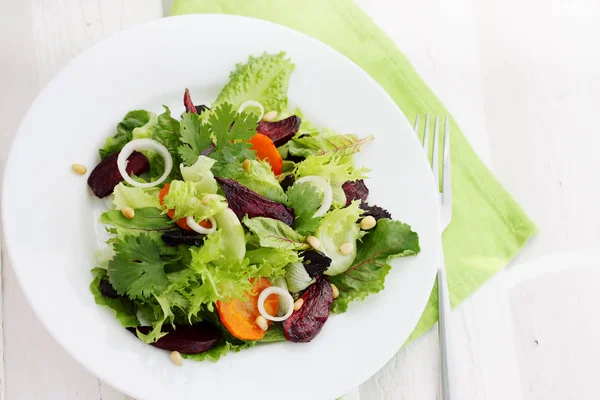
(266, 150)
(239, 315)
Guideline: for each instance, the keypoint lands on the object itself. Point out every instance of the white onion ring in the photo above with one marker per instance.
(252, 103)
(199, 228)
(144, 144)
(282, 293)
(325, 188)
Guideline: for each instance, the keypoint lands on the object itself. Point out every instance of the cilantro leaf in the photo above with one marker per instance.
(137, 269)
(388, 240)
(196, 137)
(232, 132)
(305, 200)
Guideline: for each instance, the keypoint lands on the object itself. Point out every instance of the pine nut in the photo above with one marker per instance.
(270, 116)
(246, 165)
(346, 248)
(262, 323)
(313, 242)
(78, 168)
(128, 212)
(336, 291)
(298, 304)
(367, 223)
(176, 357)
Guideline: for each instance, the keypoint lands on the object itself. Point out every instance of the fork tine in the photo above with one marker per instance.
(447, 178)
(426, 137)
(435, 162)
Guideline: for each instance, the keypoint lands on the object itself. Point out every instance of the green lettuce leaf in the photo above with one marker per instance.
(337, 170)
(264, 79)
(161, 314)
(305, 200)
(337, 228)
(137, 270)
(135, 197)
(186, 199)
(261, 179)
(133, 119)
(327, 143)
(122, 306)
(222, 278)
(388, 240)
(148, 220)
(270, 261)
(274, 233)
(219, 351)
(201, 174)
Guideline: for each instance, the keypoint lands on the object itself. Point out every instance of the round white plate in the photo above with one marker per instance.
(49, 219)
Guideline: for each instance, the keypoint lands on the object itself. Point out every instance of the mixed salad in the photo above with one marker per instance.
(238, 223)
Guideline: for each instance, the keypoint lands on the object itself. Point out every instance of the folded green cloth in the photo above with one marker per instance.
(488, 227)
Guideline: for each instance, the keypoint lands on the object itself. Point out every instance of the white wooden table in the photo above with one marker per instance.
(523, 80)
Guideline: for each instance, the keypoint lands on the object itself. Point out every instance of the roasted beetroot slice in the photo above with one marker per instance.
(315, 262)
(306, 323)
(280, 132)
(355, 190)
(375, 211)
(188, 103)
(186, 339)
(106, 175)
(209, 149)
(244, 201)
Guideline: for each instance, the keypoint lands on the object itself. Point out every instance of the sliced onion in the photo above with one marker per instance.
(252, 103)
(283, 295)
(325, 188)
(199, 228)
(139, 145)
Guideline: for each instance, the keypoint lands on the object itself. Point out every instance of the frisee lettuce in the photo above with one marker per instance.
(186, 198)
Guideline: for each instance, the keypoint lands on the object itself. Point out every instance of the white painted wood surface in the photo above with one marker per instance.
(523, 80)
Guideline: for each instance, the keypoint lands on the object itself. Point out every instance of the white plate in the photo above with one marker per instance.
(49, 226)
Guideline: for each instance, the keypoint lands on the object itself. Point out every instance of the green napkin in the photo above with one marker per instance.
(488, 227)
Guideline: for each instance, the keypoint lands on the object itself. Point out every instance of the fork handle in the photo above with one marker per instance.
(444, 311)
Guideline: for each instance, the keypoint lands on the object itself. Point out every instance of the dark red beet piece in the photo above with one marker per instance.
(315, 262)
(244, 201)
(186, 339)
(280, 132)
(188, 103)
(107, 290)
(306, 323)
(375, 211)
(106, 175)
(209, 149)
(355, 190)
(176, 237)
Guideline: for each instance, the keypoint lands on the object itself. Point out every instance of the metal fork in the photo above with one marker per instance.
(445, 198)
